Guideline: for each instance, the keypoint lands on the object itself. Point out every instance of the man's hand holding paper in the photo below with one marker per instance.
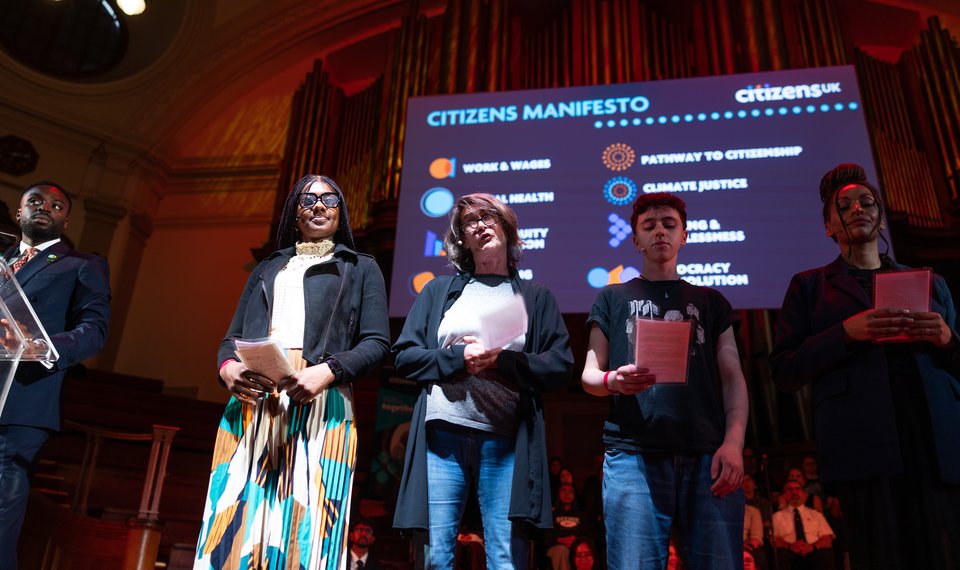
(630, 379)
(663, 348)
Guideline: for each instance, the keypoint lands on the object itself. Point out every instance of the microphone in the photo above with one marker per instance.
(8, 240)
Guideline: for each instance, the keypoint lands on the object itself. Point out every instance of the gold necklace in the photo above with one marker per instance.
(316, 248)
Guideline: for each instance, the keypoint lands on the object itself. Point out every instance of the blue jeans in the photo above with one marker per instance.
(459, 459)
(647, 495)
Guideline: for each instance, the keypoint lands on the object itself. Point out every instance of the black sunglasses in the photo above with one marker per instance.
(328, 199)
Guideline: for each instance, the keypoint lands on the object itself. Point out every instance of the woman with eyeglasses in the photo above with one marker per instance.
(478, 422)
(285, 454)
(582, 555)
(886, 415)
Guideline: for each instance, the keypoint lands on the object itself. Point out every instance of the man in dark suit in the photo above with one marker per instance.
(361, 538)
(70, 294)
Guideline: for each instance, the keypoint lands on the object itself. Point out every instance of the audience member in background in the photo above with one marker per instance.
(886, 415)
(556, 464)
(582, 555)
(470, 552)
(752, 528)
(362, 538)
(813, 501)
(753, 532)
(754, 499)
(811, 472)
(569, 522)
(565, 477)
(802, 537)
(591, 498)
(673, 559)
(750, 464)
(749, 560)
(478, 422)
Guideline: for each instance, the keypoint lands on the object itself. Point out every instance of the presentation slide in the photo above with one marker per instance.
(745, 152)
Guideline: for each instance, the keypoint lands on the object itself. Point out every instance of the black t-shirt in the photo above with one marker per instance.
(670, 417)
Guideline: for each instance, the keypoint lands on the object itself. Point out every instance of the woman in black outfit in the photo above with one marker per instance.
(886, 415)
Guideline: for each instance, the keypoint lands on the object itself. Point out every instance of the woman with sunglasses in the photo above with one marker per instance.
(886, 415)
(285, 454)
(478, 422)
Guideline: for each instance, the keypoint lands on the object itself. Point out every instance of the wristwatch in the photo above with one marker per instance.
(336, 368)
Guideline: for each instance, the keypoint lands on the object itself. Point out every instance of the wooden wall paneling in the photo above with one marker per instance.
(286, 165)
(471, 25)
(590, 25)
(939, 59)
(557, 57)
(578, 45)
(514, 54)
(624, 49)
(833, 36)
(655, 42)
(808, 57)
(704, 40)
(497, 37)
(528, 62)
(330, 138)
(566, 56)
(316, 87)
(754, 43)
(903, 169)
(605, 41)
(726, 41)
(634, 41)
(812, 33)
(773, 28)
(451, 46)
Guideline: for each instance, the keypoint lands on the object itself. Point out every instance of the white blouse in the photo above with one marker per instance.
(289, 311)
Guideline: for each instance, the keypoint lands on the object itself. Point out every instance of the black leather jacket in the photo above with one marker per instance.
(346, 311)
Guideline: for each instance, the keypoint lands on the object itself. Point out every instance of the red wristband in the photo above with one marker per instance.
(225, 362)
(606, 376)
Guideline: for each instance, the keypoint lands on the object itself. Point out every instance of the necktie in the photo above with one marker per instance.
(27, 256)
(798, 525)
(359, 564)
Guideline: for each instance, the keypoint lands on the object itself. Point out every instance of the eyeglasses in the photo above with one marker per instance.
(864, 202)
(328, 199)
(489, 219)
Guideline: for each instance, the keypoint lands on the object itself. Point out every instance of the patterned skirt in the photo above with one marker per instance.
(279, 495)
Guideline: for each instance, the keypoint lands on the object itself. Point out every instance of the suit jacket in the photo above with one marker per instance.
(853, 410)
(70, 293)
(372, 563)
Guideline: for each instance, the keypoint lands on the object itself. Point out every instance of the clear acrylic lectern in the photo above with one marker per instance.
(22, 338)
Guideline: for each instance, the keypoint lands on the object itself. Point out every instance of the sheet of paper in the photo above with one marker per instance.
(503, 322)
(264, 357)
(663, 347)
(902, 290)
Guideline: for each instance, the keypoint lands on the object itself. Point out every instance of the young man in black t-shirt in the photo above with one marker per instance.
(673, 451)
